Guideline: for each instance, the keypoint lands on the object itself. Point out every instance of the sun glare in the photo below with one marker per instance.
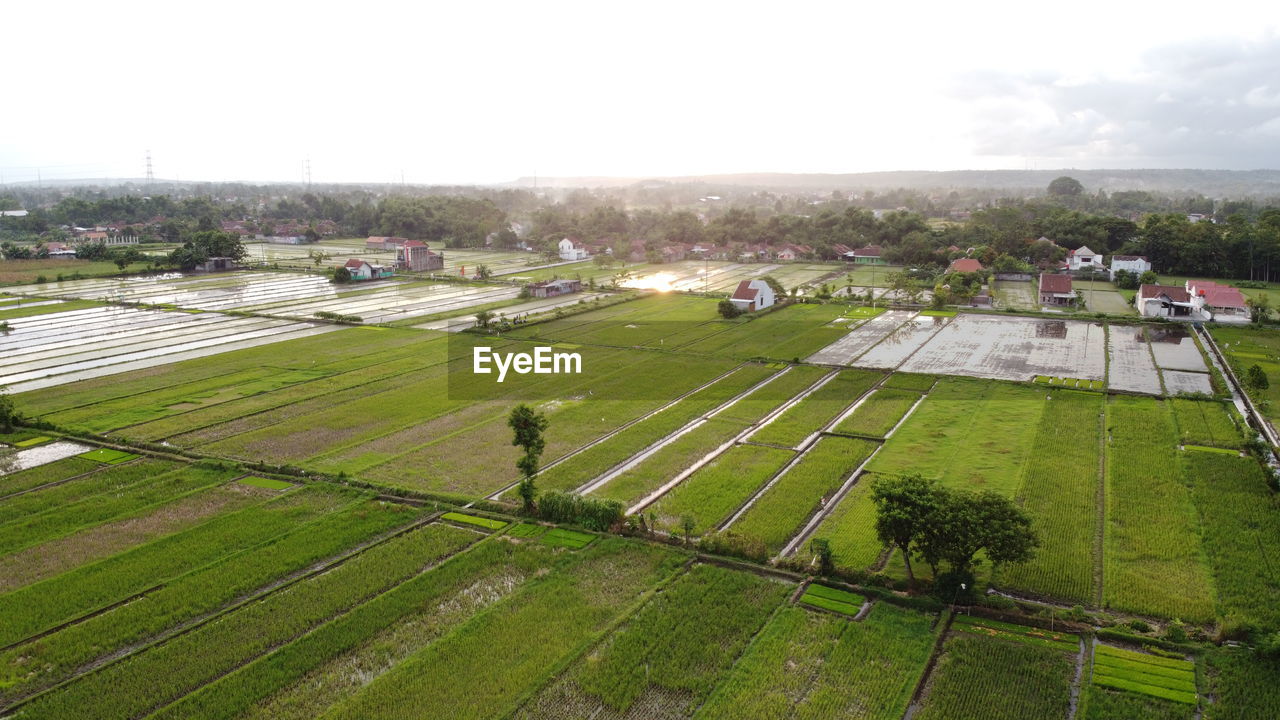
(659, 281)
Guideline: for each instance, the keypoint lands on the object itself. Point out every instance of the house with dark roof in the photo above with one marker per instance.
(752, 295)
(964, 265)
(1056, 289)
(554, 288)
(381, 242)
(1166, 301)
(1220, 303)
(415, 256)
(867, 255)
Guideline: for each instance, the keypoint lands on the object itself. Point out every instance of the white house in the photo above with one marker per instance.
(1135, 264)
(752, 295)
(573, 250)
(1167, 301)
(1221, 303)
(1082, 258)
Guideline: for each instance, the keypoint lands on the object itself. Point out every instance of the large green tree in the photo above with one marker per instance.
(904, 507)
(528, 425)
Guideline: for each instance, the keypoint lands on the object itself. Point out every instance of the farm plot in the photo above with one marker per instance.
(1177, 382)
(896, 347)
(16, 461)
(1130, 364)
(712, 493)
(816, 410)
(1059, 489)
(670, 655)
(224, 291)
(79, 345)
(1105, 300)
(56, 471)
(879, 413)
(790, 333)
(461, 677)
(150, 680)
(993, 678)
(1013, 348)
(805, 487)
(851, 528)
(968, 433)
(857, 341)
(1206, 422)
(1244, 686)
(1245, 347)
(1018, 295)
(1151, 568)
(392, 303)
(1099, 703)
(1240, 523)
(1175, 348)
(818, 665)
(1144, 674)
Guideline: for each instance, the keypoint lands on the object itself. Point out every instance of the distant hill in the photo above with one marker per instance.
(1214, 183)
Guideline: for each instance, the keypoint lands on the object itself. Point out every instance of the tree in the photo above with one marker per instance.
(728, 310)
(778, 290)
(687, 524)
(483, 272)
(8, 413)
(904, 505)
(821, 548)
(528, 426)
(341, 275)
(1259, 308)
(1065, 187)
(965, 523)
(1149, 278)
(317, 256)
(483, 318)
(1256, 378)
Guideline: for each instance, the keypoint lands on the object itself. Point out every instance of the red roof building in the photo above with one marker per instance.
(965, 265)
(1056, 289)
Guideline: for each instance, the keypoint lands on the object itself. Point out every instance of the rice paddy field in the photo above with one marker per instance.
(286, 574)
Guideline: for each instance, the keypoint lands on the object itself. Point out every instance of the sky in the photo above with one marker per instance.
(487, 92)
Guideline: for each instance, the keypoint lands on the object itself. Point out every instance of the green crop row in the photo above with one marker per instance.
(1011, 631)
(483, 522)
(820, 665)
(851, 528)
(35, 665)
(1128, 683)
(470, 674)
(720, 487)
(1102, 704)
(150, 680)
(1059, 489)
(527, 530)
(43, 605)
(97, 486)
(303, 678)
(820, 596)
(768, 398)
(910, 381)
(1176, 664)
(977, 677)
(44, 474)
(1152, 567)
(671, 654)
(815, 411)
(659, 468)
(1206, 422)
(778, 514)
(590, 463)
(559, 537)
(1243, 685)
(127, 491)
(879, 413)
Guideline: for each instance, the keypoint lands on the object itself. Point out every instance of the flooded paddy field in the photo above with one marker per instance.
(860, 339)
(1013, 348)
(1132, 367)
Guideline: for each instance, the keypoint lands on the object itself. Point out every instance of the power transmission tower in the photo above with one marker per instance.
(150, 175)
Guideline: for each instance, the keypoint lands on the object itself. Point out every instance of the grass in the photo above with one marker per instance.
(108, 456)
(267, 483)
(24, 312)
(910, 381)
(56, 471)
(863, 311)
(1248, 346)
(555, 617)
(1100, 703)
(657, 469)
(826, 598)
(1206, 422)
(1153, 568)
(993, 679)
(1145, 674)
(815, 411)
(938, 313)
(669, 657)
(526, 530)
(776, 516)
(1060, 641)
(1244, 686)
(148, 681)
(1238, 516)
(572, 539)
(820, 665)
(879, 413)
(712, 493)
(32, 442)
(850, 528)
(1059, 489)
(487, 523)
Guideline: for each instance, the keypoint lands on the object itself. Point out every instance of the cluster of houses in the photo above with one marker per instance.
(411, 256)
(1197, 301)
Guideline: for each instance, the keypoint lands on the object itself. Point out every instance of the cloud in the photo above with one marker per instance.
(1207, 103)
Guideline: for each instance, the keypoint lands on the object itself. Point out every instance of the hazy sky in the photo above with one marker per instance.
(489, 91)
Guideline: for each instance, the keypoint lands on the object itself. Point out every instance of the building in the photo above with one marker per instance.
(57, 249)
(415, 256)
(753, 295)
(362, 270)
(216, 264)
(1166, 301)
(1135, 264)
(868, 255)
(1219, 303)
(384, 243)
(554, 288)
(1082, 258)
(1056, 289)
(964, 265)
(794, 252)
(674, 253)
(573, 250)
(286, 239)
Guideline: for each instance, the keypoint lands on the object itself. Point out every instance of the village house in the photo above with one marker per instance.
(106, 238)
(868, 255)
(794, 252)
(415, 256)
(1056, 289)
(286, 239)
(57, 249)
(554, 288)
(752, 295)
(384, 243)
(964, 265)
(1166, 301)
(1135, 264)
(1219, 303)
(362, 270)
(573, 250)
(673, 253)
(1082, 258)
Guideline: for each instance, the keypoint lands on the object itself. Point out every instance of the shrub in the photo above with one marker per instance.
(591, 513)
(734, 545)
(1140, 626)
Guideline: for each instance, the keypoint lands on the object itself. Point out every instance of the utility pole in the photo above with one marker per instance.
(306, 164)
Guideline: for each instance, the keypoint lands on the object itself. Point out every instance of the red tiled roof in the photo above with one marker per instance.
(745, 291)
(414, 243)
(1222, 296)
(965, 265)
(1173, 292)
(1055, 283)
(354, 263)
